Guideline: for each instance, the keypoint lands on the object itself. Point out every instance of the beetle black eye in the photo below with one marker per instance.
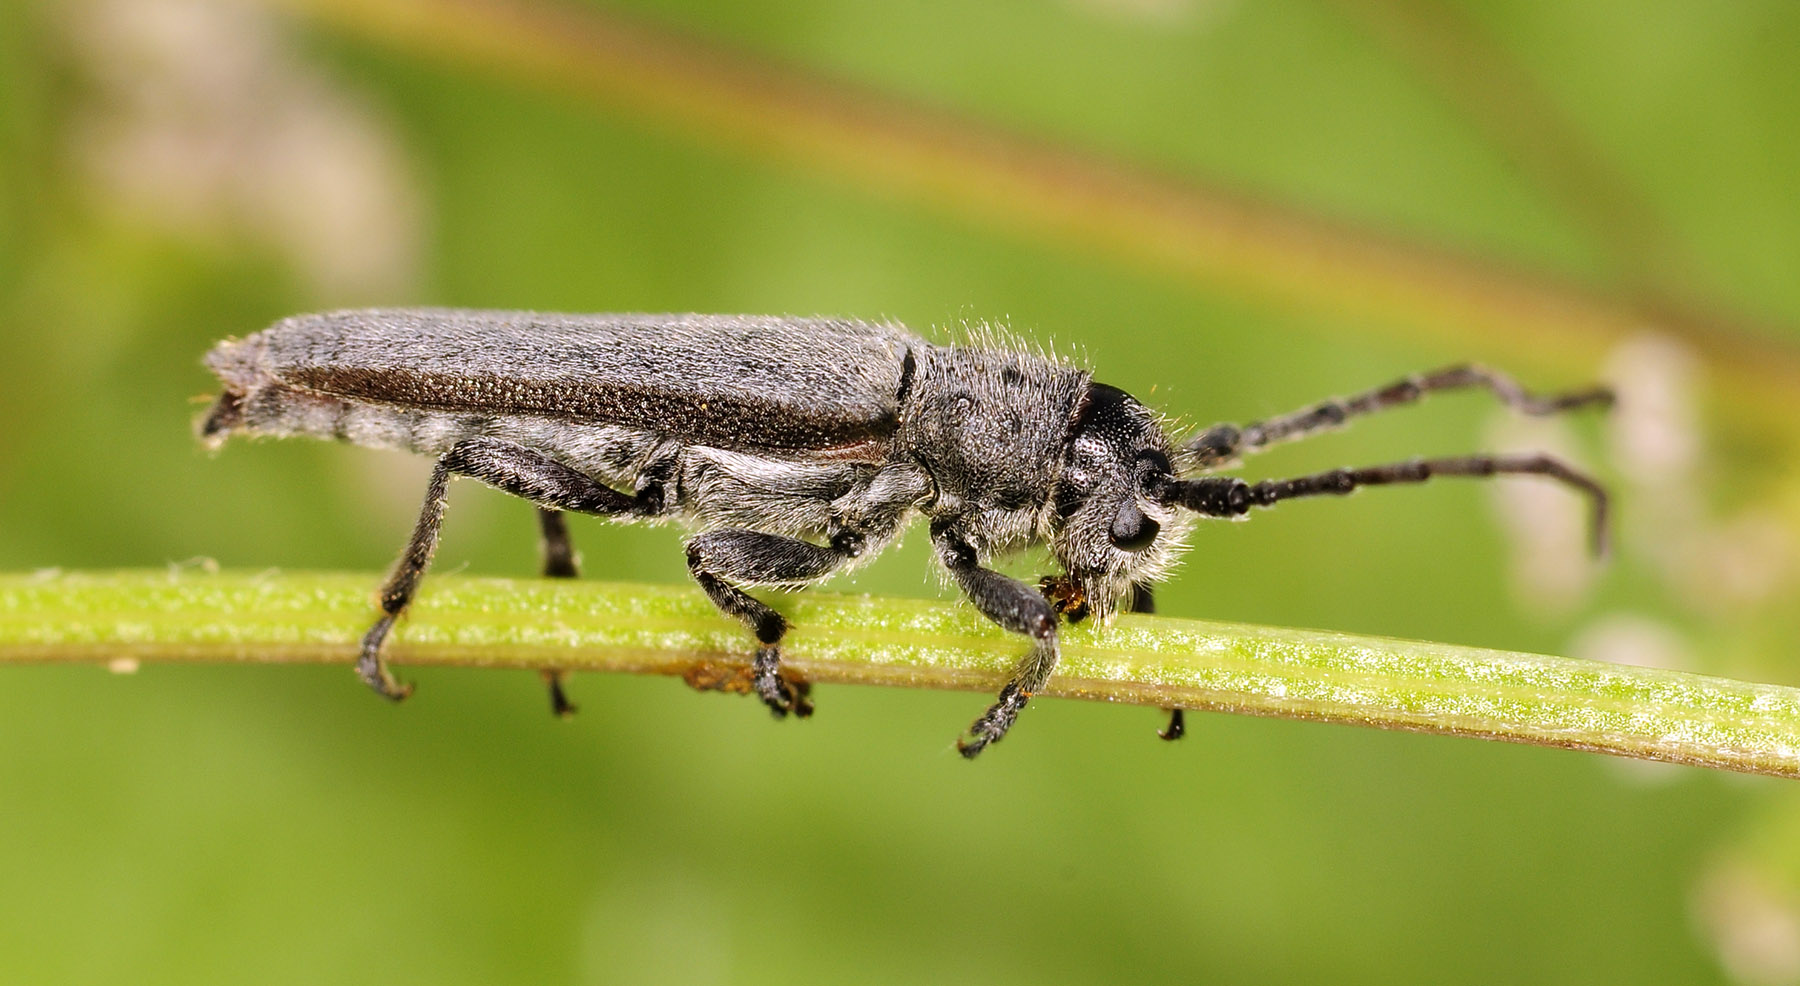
(1131, 530)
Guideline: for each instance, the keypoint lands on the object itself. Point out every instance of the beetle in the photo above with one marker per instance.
(797, 448)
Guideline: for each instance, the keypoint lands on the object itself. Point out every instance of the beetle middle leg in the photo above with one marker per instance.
(723, 560)
(509, 468)
(559, 563)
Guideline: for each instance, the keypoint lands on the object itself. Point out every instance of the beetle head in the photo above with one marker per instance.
(1110, 529)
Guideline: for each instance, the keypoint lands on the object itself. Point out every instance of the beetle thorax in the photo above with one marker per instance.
(989, 425)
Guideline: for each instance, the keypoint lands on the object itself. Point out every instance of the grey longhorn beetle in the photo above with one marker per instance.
(799, 447)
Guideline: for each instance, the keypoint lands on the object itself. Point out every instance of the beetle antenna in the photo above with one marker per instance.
(1224, 443)
(1225, 496)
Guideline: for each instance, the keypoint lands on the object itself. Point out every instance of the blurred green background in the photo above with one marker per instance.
(176, 171)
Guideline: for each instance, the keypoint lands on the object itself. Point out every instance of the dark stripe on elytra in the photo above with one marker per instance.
(723, 420)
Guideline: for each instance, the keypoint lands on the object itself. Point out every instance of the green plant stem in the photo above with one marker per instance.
(184, 615)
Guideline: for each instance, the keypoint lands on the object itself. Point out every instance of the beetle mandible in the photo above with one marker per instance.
(799, 447)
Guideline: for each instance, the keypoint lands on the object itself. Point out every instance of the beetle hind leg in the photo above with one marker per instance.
(397, 592)
(509, 468)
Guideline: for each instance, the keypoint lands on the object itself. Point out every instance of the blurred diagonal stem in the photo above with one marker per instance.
(1654, 714)
(740, 104)
(1448, 47)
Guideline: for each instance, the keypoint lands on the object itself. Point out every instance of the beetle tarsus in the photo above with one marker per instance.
(767, 680)
(373, 670)
(782, 694)
(803, 707)
(992, 726)
(1177, 727)
(560, 706)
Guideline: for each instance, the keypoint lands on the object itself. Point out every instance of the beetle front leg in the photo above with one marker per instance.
(723, 560)
(1142, 599)
(1017, 607)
